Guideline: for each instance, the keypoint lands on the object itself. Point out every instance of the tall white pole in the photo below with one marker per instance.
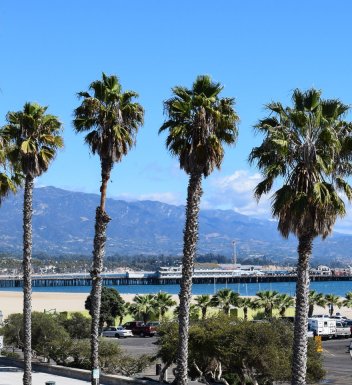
(234, 252)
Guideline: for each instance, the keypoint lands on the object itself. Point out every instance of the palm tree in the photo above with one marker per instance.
(124, 310)
(301, 149)
(246, 303)
(202, 302)
(10, 176)
(347, 302)
(225, 299)
(143, 306)
(331, 300)
(284, 301)
(112, 120)
(33, 138)
(315, 299)
(268, 300)
(198, 124)
(163, 302)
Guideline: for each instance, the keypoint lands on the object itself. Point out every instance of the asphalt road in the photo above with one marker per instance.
(138, 345)
(337, 362)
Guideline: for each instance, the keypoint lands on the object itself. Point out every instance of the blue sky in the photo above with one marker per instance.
(259, 50)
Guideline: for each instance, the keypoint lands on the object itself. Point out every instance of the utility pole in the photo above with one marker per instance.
(234, 252)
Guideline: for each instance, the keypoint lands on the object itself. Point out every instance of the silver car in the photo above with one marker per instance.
(116, 332)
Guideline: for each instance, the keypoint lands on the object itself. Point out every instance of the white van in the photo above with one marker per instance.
(321, 326)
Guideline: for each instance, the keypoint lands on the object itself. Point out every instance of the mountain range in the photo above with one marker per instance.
(63, 223)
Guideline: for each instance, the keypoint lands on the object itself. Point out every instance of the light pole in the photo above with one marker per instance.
(234, 252)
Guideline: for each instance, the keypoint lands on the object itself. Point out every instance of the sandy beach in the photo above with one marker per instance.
(11, 302)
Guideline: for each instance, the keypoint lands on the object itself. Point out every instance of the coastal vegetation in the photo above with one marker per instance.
(236, 351)
(306, 149)
(112, 119)
(198, 122)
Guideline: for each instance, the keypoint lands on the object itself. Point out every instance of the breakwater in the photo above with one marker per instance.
(123, 280)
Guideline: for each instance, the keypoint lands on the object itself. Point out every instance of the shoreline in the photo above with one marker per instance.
(12, 302)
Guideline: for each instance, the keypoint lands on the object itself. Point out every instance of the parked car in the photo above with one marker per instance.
(116, 331)
(348, 322)
(342, 329)
(138, 328)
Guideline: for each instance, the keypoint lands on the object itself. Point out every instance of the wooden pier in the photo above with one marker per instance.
(67, 281)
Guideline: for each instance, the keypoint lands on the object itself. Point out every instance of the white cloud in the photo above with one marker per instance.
(235, 192)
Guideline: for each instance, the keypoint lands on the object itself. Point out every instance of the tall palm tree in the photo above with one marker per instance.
(347, 302)
(247, 303)
(199, 122)
(203, 302)
(284, 301)
(33, 137)
(143, 306)
(332, 300)
(225, 299)
(112, 120)
(268, 300)
(315, 299)
(163, 302)
(301, 149)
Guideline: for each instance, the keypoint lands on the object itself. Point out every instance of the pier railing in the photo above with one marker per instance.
(113, 280)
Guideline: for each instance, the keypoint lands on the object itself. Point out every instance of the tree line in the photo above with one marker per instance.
(305, 157)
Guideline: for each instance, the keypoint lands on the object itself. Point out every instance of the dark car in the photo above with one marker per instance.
(139, 328)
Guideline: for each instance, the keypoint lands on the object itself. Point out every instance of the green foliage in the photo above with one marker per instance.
(199, 123)
(111, 304)
(247, 351)
(33, 137)
(76, 324)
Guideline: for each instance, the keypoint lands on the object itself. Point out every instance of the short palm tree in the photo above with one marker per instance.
(124, 310)
(347, 302)
(284, 301)
(33, 137)
(302, 150)
(315, 299)
(225, 299)
(332, 300)
(112, 120)
(203, 302)
(268, 300)
(163, 302)
(143, 306)
(247, 303)
(199, 122)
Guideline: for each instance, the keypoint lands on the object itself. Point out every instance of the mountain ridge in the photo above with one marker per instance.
(63, 223)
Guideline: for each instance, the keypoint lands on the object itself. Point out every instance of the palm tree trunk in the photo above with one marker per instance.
(190, 238)
(310, 310)
(299, 364)
(101, 222)
(27, 280)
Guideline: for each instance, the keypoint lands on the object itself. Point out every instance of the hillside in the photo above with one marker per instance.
(63, 223)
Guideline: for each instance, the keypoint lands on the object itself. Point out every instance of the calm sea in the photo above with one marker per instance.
(328, 287)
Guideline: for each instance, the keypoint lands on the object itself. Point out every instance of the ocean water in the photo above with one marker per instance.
(339, 288)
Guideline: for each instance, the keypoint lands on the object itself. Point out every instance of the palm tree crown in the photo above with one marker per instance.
(33, 138)
(302, 146)
(110, 116)
(269, 300)
(199, 122)
(163, 302)
(225, 299)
